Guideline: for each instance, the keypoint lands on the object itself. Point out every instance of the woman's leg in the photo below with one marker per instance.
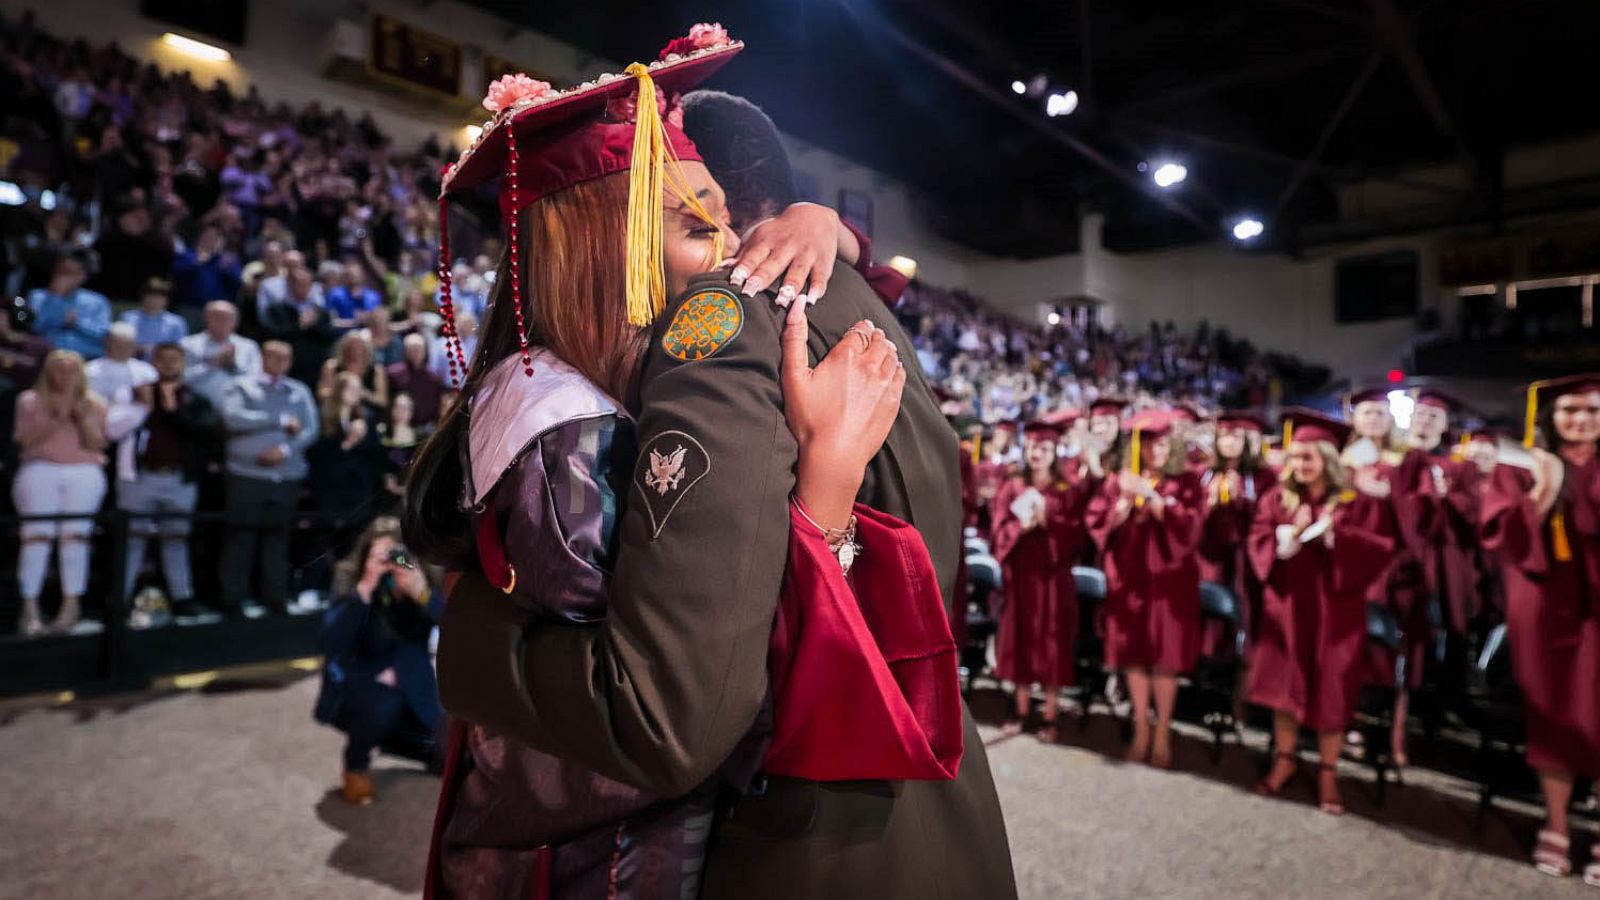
(1397, 736)
(1166, 691)
(1329, 744)
(1052, 708)
(1024, 704)
(34, 493)
(1285, 738)
(82, 494)
(1557, 788)
(1139, 693)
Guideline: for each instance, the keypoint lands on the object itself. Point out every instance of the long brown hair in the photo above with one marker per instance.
(1333, 472)
(574, 278)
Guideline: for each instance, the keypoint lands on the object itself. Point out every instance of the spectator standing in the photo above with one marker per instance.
(159, 465)
(303, 324)
(118, 368)
(345, 461)
(381, 336)
(354, 357)
(412, 375)
(152, 322)
(131, 252)
(349, 296)
(68, 315)
(276, 288)
(269, 420)
(467, 330)
(400, 436)
(208, 271)
(21, 353)
(216, 355)
(60, 428)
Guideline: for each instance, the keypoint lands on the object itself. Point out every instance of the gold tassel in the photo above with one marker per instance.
(1288, 433)
(1531, 421)
(654, 168)
(1223, 491)
(977, 448)
(1136, 463)
(1560, 544)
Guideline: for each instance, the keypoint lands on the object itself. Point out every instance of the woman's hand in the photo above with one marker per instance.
(840, 412)
(1369, 482)
(802, 240)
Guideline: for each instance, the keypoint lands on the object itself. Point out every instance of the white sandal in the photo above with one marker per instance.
(1591, 872)
(1553, 855)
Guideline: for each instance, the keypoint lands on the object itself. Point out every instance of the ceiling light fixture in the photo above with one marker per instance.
(1168, 174)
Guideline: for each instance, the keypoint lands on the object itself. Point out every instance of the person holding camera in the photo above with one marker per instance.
(378, 685)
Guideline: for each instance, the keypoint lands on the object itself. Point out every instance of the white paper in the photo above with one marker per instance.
(1029, 506)
(1316, 529)
(1511, 453)
(1362, 453)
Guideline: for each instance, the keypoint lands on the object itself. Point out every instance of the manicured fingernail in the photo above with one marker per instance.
(786, 294)
(811, 299)
(783, 302)
(726, 263)
(739, 275)
(752, 287)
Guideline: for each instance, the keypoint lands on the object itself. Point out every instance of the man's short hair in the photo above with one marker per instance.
(741, 147)
(124, 330)
(164, 346)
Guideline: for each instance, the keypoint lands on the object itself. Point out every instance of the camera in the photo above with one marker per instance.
(400, 556)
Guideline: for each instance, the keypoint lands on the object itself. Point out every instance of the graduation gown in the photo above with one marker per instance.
(1447, 533)
(1401, 589)
(1152, 576)
(1552, 605)
(1039, 623)
(1307, 658)
(1224, 553)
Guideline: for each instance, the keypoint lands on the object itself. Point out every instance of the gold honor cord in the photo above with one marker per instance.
(647, 178)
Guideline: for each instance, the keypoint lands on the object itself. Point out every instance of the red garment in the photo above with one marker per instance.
(1307, 656)
(1401, 588)
(1447, 532)
(969, 494)
(1152, 576)
(1552, 613)
(863, 670)
(1224, 553)
(1038, 628)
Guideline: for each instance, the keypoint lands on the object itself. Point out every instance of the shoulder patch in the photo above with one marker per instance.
(704, 324)
(668, 466)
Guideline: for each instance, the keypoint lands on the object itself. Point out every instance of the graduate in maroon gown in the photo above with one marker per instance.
(1192, 432)
(1038, 532)
(1316, 562)
(1444, 489)
(1541, 523)
(1374, 456)
(997, 459)
(1234, 482)
(1146, 522)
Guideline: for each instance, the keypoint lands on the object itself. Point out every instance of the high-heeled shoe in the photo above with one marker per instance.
(1591, 872)
(1328, 799)
(1266, 788)
(1159, 759)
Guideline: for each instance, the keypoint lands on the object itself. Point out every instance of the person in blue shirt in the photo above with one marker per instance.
(205, 272)
(153, 324)
(351, 298)
(67, 314)
(378, 684)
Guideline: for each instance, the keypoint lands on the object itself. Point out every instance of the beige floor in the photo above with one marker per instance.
(225, 794)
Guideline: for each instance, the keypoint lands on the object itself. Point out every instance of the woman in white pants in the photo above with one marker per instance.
(60, 428)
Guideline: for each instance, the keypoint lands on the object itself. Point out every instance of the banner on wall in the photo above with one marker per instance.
(408, 55)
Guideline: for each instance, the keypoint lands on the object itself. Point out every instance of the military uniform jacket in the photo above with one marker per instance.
(663, 692)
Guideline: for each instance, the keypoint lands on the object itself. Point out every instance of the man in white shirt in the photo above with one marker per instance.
(216, 355)
(275, 289)
(118, 368)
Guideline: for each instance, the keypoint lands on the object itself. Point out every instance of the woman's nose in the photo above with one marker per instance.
(730, 242)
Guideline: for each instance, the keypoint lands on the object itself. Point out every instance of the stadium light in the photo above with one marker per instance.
(1018, 88)
(196, 49)
(1061, 104)
(1168, 174)
(1054, 319)
(1248, 229)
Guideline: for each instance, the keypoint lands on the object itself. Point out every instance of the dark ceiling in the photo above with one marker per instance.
(1270, 103)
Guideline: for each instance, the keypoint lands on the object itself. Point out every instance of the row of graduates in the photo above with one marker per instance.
(1444, 529)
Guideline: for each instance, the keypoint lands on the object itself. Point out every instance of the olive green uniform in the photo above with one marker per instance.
(662, 693)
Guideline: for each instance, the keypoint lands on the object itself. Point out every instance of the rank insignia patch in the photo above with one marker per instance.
(668, 466)
(704, 324)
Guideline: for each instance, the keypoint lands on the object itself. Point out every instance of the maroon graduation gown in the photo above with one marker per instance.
(1152, 576)
(1401, 588)
(1039, 622)
(1224, 552)
(1447, 533)
(1551, 613)
(1307, 658)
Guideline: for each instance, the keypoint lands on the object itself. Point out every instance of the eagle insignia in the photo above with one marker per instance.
(666, 472)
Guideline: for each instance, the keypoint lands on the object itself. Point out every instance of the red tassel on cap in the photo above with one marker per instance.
(515, 237)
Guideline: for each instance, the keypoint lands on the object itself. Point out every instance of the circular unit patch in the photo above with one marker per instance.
(704, 324)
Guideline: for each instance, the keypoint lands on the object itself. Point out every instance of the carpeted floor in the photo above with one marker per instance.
(225, 793)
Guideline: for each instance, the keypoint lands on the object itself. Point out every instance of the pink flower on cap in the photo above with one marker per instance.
(701, 37)
(511, 88)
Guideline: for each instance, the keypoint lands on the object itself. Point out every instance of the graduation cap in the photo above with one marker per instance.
(1186, 412)
(1063, 417)
(1432, 396)
(1366, 395)
(1107, 406)
(1149, 423)
(1042, 430)
(1302, 424)
(1549, 391)
(1242, 420)
(542, 140)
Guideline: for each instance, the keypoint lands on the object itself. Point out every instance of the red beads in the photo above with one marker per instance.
(515, 238)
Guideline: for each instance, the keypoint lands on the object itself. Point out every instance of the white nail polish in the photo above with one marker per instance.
(739, 275)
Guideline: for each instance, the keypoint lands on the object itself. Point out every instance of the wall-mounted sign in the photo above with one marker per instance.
(414, 57)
